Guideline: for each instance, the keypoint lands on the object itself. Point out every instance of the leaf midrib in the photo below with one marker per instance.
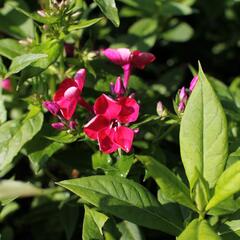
(144, 209)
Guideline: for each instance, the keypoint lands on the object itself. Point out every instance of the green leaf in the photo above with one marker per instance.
(13, 189)
(21, 62)
(84, 23)
(198, 230)
(120, 168)
(10, 48)
(50, 48)
(3, 111)
(141, 35)
(171, 186)
(204, 128)
(130, 231)
(182, 32)
(14, 23)
(40, 149)
(93, 224)
(35, 16)
(125, 199)
(109, 9)
(170, 8)
(14, 134)
(227, 185)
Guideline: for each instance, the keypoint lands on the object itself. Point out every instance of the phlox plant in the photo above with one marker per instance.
(92, 146)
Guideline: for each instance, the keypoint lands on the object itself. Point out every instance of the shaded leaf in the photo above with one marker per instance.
(125, 199)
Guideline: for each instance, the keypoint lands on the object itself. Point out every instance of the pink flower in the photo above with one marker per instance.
(6, 85)
(193, 83)
(108, 126)
(118, 88)
(68, 94)
(127, 60)
(183, 97)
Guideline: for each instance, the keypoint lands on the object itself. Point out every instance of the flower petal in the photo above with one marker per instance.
(141, 59)
(96, 124)
(119, 56)
(80, 78)
(67, 83)
(67, 107)
(106, 106)
(124, 138)
(130, 110)
(105, 140)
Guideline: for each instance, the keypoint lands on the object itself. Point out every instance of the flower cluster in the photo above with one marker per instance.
(184, 94)
(109, 125)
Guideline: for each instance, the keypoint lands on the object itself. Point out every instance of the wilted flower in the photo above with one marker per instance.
(128, 59)
(108, 126)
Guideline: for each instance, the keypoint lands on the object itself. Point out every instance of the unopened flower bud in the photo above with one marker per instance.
(183, 96)
(193, 83)
(6, 85)
(119, 89)
(52, 107)
(69, 49)
(161, 110)
(41, 13)
(73, 125)
(58, 125)
(181, 107)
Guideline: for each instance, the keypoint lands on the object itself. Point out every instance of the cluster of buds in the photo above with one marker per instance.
(184, 94)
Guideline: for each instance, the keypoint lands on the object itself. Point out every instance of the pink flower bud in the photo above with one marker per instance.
(161, 110)
(181, 107)
(6, 85)
(73, 124)
(119, 89)
(193, 83)
(183, 94)
(52, 107)
(58, 125)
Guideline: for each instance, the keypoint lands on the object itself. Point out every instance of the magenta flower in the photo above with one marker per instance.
(193, 83)
(58, 125)
(68, 94)
(108, 127)
(127, 60)
(6, 85)
(118, 88)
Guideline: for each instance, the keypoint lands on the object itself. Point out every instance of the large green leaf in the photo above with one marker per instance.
(198, 230)
(125, 199)
(227, 185)
(109, 9)
(14, 134)
(10, 48)
(93, 224)
(171, 186)
(203, 134)
(21, 62)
